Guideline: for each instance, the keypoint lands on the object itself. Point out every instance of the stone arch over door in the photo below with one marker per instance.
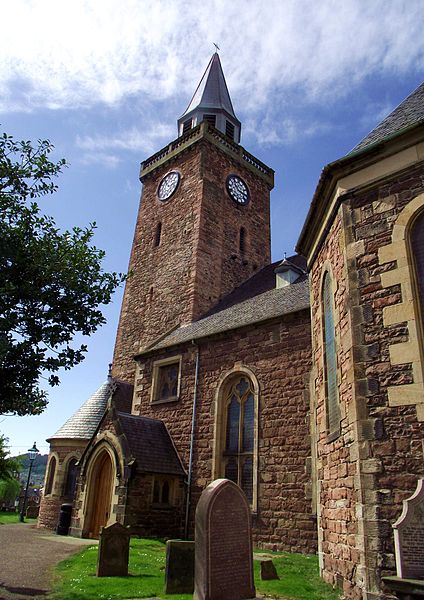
(100, 490)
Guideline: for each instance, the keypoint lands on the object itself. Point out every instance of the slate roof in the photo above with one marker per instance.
(85, 421)
(255, 301)
(150, 445)
(408, 113)
(212, 91)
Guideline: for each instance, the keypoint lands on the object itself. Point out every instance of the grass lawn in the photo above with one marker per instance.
(76, 580)
(7, 518)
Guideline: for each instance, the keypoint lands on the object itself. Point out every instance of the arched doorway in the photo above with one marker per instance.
(100, 497)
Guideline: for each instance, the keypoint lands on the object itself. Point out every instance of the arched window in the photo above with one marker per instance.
(71, 478)
(330, 359)
(162, 490)
(417, 251)
(238, 439)
(50, 476)
(158, 233)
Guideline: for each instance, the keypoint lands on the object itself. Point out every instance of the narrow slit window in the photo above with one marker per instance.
(158, 234)
(242, 240)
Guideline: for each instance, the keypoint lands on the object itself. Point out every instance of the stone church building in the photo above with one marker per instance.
(300, 380)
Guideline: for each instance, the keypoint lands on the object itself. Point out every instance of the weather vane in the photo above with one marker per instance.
(216, 46)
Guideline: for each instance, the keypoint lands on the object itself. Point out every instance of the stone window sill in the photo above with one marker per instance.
(332, 436)
(165, 400)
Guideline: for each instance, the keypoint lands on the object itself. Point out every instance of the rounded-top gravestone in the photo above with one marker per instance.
(223, 544)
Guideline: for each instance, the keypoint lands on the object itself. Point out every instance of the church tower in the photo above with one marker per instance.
(203, 225)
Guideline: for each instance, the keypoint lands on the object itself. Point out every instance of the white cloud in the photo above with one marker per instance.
(81, 53)
(132, 139)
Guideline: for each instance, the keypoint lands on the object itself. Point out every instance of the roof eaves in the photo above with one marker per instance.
(334, 171)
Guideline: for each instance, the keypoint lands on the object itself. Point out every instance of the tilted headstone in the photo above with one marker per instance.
(179, 570)
(114, 548)
(268, 570)
(409, 536)
(223, 544)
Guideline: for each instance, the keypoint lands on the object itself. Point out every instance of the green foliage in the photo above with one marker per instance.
(9, 489)
(51, 282)
(299, 578)
(8, 466)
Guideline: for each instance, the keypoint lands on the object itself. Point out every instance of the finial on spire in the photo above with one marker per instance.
(109, 375)
(216, 46)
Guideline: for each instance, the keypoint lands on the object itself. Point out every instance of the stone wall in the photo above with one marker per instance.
(278, 356)
(365, 473)
(198, 259)
(148, 519)
(63, 451)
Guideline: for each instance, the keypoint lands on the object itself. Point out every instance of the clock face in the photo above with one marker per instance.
(238, 190)
(168, 185)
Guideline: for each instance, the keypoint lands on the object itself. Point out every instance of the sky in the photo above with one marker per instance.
(105, 82)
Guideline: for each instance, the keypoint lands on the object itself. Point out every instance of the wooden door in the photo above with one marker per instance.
(101, 490)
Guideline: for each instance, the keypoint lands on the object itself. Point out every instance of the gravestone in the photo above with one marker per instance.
(268, 570)
(223, 544)
(114, 548)
(179, 570)
(409, 536)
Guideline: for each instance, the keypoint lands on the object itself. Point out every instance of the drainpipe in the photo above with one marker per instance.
(190, 460)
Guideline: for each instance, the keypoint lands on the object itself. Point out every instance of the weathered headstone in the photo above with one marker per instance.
(114, 548)
(223, 544)
(409, 536)
(268, 570)
(179, 570)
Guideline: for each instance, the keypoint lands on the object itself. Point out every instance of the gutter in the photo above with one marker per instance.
(190, 460)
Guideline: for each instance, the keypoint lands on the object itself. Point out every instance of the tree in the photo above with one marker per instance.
(9, 466)
(51, 282)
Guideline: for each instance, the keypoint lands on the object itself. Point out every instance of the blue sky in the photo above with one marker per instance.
(105, 81)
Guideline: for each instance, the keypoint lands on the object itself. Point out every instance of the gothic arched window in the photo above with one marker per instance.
(50, 476)
(417, 250)
(238, 440)
(71, 478)
(330, 359)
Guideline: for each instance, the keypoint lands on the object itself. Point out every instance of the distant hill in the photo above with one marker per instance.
(38, 468)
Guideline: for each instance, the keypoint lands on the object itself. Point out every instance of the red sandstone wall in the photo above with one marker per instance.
(336, 462)
(198, 260)
(279, 355)
(396, 438)
(377, 459)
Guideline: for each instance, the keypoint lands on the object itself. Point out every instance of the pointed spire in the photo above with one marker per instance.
(211, 102)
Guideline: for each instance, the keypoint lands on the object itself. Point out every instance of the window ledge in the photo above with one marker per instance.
(165, 401)
(332, 436)
(159, 506)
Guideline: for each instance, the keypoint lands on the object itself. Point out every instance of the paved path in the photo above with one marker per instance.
(27, 558)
